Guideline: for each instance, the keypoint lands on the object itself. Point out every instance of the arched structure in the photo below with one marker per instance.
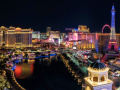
(106, 25)
(102, 78)
(95, 79)
(98, 77)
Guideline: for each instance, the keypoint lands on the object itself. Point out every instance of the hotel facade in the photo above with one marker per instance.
(81, 38)
(17, 37)
(1, 38)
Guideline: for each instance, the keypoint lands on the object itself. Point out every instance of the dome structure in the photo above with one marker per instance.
(98, 65)
(3, 27)
(98, 72)
(17, 29)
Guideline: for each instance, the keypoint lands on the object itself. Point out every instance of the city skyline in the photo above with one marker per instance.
(59, 45)
(58, 14)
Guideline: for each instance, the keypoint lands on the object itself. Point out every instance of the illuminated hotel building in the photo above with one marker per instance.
(35, 35)
(83, 28)
(48, 29)
(55, 35)
(1, 38)
(82, 39)
(43, 36)
(99, 41)
(3, 29)
(85, 40)
(17, 37)
(62, 35)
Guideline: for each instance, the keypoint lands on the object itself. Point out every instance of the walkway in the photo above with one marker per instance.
(12, 80)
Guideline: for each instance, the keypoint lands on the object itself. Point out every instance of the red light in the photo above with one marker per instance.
(18, 71)
(96, 36)
(32, 68)
(85, 56)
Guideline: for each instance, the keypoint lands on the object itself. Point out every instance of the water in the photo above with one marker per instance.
(45, 74)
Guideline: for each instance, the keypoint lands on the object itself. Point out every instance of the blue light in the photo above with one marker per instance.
(97, 50)
(13, 68)
(113, 7)
(113, 17)
(16, 61)
(76, 29)
(113, 13)
(74, 43)
(46, 56)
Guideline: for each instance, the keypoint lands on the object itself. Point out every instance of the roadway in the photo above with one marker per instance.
(78, 61)
(116, 82)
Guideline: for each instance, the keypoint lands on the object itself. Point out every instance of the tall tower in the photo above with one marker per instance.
(112, 46)
(48, 29)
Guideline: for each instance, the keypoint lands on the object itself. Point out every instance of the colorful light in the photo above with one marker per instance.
(18, 71)
(106, 25)
(85, 56)
(75, 36)
(112, 45)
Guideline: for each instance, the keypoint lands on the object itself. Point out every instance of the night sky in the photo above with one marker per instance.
(58, 14)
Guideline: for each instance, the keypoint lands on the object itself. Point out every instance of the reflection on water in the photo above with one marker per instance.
(45, 74)
(24, 70)
(48, 74)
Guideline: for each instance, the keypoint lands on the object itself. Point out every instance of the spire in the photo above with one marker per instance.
(113, 17)
(113, 8)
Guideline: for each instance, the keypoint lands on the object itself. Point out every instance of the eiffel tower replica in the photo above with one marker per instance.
(112, 46)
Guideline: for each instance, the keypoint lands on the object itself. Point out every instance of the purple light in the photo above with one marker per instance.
(106, 25)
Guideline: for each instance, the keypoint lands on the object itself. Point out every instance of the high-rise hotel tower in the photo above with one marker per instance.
(17, 37)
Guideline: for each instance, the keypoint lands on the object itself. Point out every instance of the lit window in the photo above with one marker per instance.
(103, 78)
(89, 74)
(95, 79)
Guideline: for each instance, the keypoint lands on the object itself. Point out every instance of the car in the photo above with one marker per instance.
(110, 72)
(114, 73)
